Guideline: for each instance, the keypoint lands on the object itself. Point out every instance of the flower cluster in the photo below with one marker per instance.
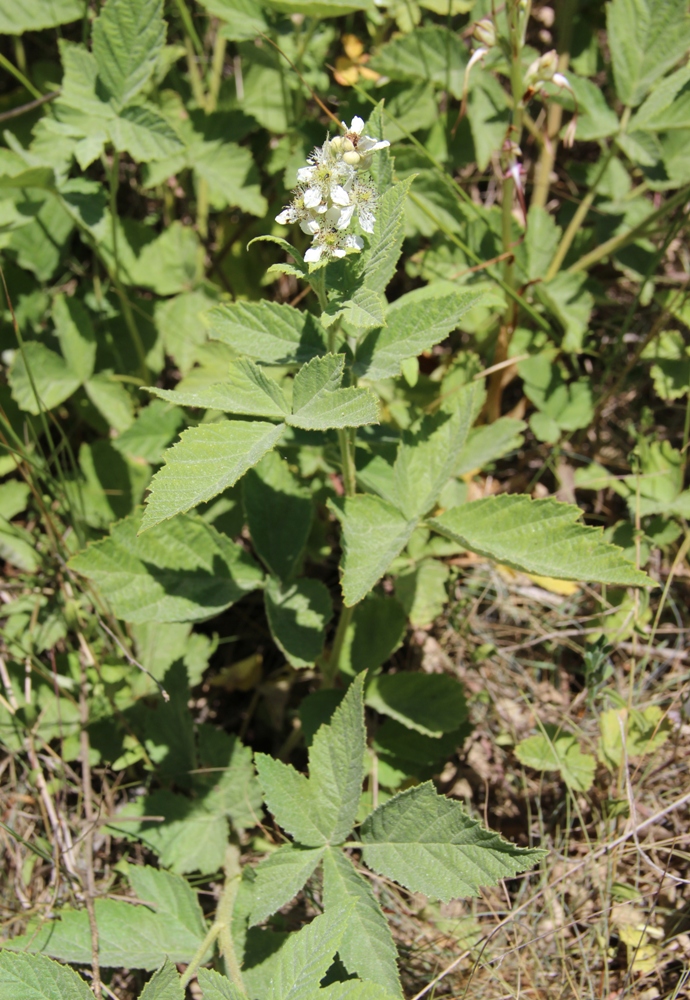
(331, 190)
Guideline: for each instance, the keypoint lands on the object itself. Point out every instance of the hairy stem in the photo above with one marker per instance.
(233, 874)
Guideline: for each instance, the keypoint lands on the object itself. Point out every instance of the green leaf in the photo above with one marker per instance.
(380, 259)
(432, 53)
(555, 750)
(34, 977)
(207, 460)
(302, 962)
(429, 844)
(319, 403)
(297, 615)
(147, 438)
(336, 764)
(646, 39)
(488, 112)
(671, 369)
(360, 307)
(414, 324)
(431, 704)
(538, 536)
(571, 302)
(247, 391)
(244, 18)
(374, 533)
(35, 15)
(182, 571)
(352, 989)
(226, 168)
(374, 633)
(170, 925)
(217, 987)
(167, 264)
(279, 878)
(146, 135)
(290, 797)
(488, 443)
(668, 106)
(367, 947)
(164, 985)
(128, 36)
(272, 333)
(422, 591)
(631, 734)
(76, 335)
(541, 241)
(112, 401)
(279, 514)
(53, 379)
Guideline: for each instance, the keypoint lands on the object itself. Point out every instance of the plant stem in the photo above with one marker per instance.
(333, 663)
(233, 874)
(189, 27)
(198, 956)
(126, 305)
(19, 76)
(565, 11)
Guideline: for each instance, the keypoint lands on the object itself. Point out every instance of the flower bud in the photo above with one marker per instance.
(485, 33)
(542, 69)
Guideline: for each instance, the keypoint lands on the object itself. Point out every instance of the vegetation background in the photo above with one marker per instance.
(535, 192)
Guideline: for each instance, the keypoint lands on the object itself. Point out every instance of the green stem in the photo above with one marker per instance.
(333, 664)
(189, 27)
(126, 305)
(199, 954)
(578, 218)
(216, 78)
(194, 74)
(616, 242)
(347, 461)
(233, 874)
(19, 76)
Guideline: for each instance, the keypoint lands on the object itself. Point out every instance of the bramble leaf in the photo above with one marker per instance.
(35, 15)
(246, 391)
(279, 878)
(128, 36)
(217, 987)
(646, 39)
(297, 615)
(429, 844)
(290, 797)
(538, 536)
(182, 571)
(432, 704)
(319, 403)
(35, 977)
(268, 332)
(206, 460)
(279, 514)
(165, 984)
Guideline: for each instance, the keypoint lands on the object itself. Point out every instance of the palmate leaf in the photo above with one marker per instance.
(182, 571)
(207, 460)
(165, 984)
(429, 844)
(414, 324)
(280, 876)
(367, 947)
(538, 536)
(171, 925)
(128, 36)
(35, 977)
(268, 332)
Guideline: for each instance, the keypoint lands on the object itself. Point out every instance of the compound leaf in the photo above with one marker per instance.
(207, 460)
(381, 258)
(290, 797)
(182, 571)
(246, 391)
(279, 878)
(367, 948)
(538, 536)
(319, 403)
(429, 844)
(269, 332)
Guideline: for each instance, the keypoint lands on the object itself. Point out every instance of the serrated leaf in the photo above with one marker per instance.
(421, 590)
(429, 844)
(538, 536)
(413, 324)
(279, 878)
(217, 987)
(431, 53)
(76, 335)
(112, 401)
(358, 306)
(246, 391)
(268, 332)
(182, 571)
(52, 377)
(35, 977)
(35, 15)
(299, 268)
(374, 533)
(290, 797)
(149, 435)
(226, 168)
(380, 259)
(299, 966)
(375, 631)
(279, 514)
(352, 989)
(128, 36)
(169, 925)
(646, 38)
(488, 443)
(367, 947)
(432, 704)
(165, 984)
(558, 751)
(144, 133)
(207, 460)
(297, 616)
(336, 767)
(319, 403)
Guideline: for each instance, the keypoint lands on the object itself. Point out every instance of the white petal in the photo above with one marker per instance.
(368, 145)
(305, 174)
(312, 198)
(313, 255)
(339, 195)
(367, 220)
(286, 216)
(345, 217)
(337, 252)
(354, 242)
(357, 125)
(310, 227)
